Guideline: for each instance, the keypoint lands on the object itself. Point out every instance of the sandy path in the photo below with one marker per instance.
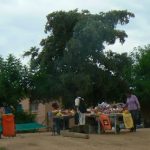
(43, 141)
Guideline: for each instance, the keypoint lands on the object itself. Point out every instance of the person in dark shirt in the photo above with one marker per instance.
(8, 109)
(82, 111)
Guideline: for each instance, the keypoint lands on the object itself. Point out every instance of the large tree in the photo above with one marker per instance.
(72, 61)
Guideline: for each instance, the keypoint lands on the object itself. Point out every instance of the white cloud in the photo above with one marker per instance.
(22, 21)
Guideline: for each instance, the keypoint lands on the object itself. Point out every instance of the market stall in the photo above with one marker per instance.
(104, 117)
(110, 117)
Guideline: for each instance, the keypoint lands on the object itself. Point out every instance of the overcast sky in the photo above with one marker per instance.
(22, 21)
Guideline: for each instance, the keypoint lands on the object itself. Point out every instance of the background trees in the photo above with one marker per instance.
(13, 80)
(72, 61)
(141, 71)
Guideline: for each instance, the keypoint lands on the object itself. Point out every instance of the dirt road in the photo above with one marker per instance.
(139, 140)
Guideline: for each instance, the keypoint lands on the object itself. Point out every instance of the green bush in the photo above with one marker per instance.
(24, 117)
(3, 148)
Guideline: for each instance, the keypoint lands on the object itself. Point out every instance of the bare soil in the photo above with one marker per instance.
(139, 140)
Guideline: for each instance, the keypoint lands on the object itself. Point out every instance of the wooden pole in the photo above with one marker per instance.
(74, 135)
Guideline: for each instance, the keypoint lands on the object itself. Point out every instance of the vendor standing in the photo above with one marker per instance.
(77, 102)
(134, 107)
(82, 111)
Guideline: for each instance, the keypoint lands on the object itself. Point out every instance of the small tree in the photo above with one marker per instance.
(13, 80)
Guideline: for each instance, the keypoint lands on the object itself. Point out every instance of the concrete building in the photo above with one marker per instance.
(39, 109)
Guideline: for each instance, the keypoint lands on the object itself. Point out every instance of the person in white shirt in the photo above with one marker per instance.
(77, 102)
(81, 109)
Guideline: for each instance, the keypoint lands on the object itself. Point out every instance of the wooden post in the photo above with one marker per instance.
(74, 135)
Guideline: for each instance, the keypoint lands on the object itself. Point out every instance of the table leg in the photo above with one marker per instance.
(115, 124)
(64, 121)
(99, 127)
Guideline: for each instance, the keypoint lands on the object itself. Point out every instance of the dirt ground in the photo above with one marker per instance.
(139, 140)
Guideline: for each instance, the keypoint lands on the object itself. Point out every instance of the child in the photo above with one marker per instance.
(56, 118)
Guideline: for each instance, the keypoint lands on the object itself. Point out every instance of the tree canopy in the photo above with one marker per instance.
(72, 62)
(13, 81)
(141, 71)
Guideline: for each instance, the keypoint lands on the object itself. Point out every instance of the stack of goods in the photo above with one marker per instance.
(107, 108)
(93, 111)
(111, 108)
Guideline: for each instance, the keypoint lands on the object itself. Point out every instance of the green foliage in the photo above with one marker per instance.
(23, 117)
(13, 80)
(142, 74)
(72, 62)
(33, 52)
(3, 148)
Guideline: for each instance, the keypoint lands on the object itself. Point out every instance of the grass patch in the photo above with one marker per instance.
(3, 148)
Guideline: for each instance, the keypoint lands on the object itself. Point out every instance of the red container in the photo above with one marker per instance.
(8, 125)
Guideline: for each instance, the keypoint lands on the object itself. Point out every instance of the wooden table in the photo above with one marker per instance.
(96, 117)
(113, 116)
(63, 117)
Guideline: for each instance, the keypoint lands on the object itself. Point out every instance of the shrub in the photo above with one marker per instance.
(3, 148)
(24, 117)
